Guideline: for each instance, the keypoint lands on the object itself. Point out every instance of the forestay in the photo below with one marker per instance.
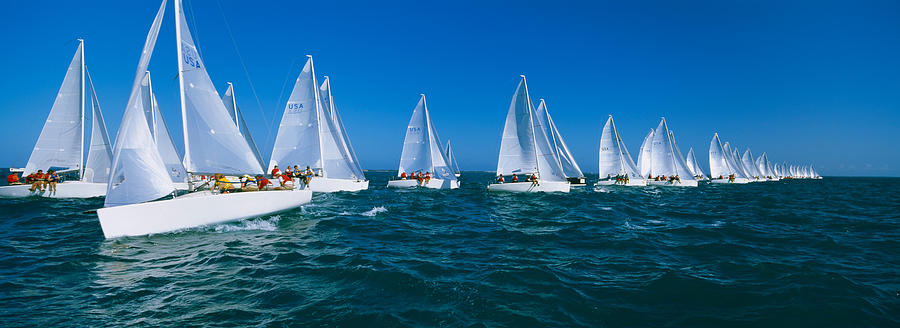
(213, 143)
(138, 172)
(614, 157)
(61, 143)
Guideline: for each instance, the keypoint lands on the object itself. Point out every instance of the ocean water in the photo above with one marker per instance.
(794, 253)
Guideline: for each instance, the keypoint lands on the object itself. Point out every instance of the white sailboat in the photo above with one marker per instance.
(451, 159)
(140, 178)
(750, 166)
(526, 149)
(721, 168)
(646, 150)
(311, 135)
(663, 161)
(735, 161)
(616, 165)
(694, 166)
(422, 154)
(570, 167)
(764, 166)
(61, 144)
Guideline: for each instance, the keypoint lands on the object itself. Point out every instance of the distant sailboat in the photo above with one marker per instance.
(666, 167)
(422, 154)
(570, 167)
(644, 155)
(311, 135)
(694, 166)
(747, 161)
(213, 144)
(452, 159)
(721, 168)
(61, 144)
(764, 166)
(616, 165)
(525, 149)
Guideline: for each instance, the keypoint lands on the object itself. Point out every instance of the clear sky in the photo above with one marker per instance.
(808, 82)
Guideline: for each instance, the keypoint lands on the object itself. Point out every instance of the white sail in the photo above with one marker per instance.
(694, 165)
(718, 164)
(664, 159)
(566, 160)
(422, 146)
(448, 152)
(734, 162)
(99, 158)
(213, 143)
(138, 172)
(644, 156)
(517, 153)
(160, 132)
(614, 157)
(231, 106)
(679, 158)
(61, 143)
(298, 141)
(341, 162)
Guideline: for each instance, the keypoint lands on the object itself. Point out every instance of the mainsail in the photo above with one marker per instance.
(564, 156)
(525, 147)
(138, 172)
(212, 142)
(747, 160)
(614, 157)
(61, 143)
(693, 165)
(664, 157)
(347, 163)
(644, 155)
(422, 147)
(99, 158)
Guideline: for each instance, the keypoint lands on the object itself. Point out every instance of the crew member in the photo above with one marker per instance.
(13, 179)
(38, 181)
(276, 172)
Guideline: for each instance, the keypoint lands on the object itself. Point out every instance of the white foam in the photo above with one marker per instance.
(270, 224)
(374, 211)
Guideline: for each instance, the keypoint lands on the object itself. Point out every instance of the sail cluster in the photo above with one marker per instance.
(726, 162)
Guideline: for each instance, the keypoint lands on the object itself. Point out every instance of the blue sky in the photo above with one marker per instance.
(808, 82)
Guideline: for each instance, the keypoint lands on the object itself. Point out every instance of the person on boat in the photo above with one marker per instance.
(427, 177)
(515, 178)
(297, 172)
(402, 175)
(52, 179)
(308, 174)
(248, 183)
(13, 179)
(656, 178)
(39, 180)
(286, 182)
(625, 179)
(500, 179)
(419, 177)
(222, 184)
(262, 183)
(677, 178)
(731, 178)
(534, 179)
(276, 172)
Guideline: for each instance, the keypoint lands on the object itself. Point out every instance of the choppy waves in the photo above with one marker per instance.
(794, 253)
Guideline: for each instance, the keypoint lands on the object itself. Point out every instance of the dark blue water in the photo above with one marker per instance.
(794, 253)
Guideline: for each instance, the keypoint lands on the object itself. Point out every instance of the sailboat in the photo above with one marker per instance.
(735, 161)
(422, 154)
(694, 166)
(616, 165)
(664, 161)
(646, 150)
(451, 159)
(61, 144)
(312, 135)
(764, 166)
(721, 168)
(750, 166)
(570, 167)
(139, 180)
(525, 149)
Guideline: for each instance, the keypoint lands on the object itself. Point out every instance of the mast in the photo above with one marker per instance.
(537, 162)
(428, 130)
(187, 150)
(312, 67)
(234, 105)
(81, 110)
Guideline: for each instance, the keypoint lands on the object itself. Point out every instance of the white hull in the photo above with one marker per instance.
(68, 189)
(631, 183)
(544, 186)
(433, 184)
(725, 181)
(682, 183)
(194, 210)
(773, 179)
(320, 184)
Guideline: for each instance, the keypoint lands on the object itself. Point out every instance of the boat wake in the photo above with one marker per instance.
(374, 211)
